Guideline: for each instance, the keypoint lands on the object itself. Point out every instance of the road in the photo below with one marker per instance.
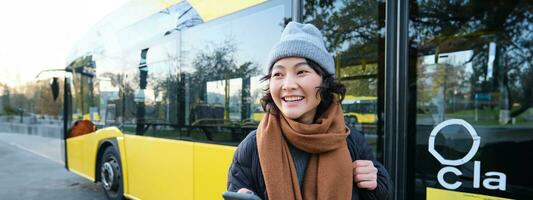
(31, 167)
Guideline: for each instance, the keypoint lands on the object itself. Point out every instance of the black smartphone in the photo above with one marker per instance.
(239, 196)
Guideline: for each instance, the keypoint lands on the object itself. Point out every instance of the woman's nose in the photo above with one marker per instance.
(289, 83)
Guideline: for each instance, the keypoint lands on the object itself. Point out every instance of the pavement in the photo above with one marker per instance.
(32, 167)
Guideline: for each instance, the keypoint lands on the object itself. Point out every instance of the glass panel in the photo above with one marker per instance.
(474, 114)
(354, 33)
(256, 92)
(85, 103)
(127, 105)
(202, 78)
(221, 63)
(109, 83)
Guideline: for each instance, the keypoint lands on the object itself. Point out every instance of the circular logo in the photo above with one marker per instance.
(468, 156)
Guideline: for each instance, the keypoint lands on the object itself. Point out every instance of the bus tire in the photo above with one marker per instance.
(111, 174)
(354, 120)
(350, 119)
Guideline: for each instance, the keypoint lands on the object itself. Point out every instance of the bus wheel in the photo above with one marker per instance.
(354, 120)
(111, 174)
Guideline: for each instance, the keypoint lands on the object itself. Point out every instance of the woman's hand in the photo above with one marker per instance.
(365, 174)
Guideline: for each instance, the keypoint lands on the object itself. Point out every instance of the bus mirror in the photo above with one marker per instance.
(54, 84)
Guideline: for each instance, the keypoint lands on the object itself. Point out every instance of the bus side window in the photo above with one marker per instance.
(110, 115)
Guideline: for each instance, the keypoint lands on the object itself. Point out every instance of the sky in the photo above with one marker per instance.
(36, 35)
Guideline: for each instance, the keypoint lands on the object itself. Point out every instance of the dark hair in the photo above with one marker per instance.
(330, 91)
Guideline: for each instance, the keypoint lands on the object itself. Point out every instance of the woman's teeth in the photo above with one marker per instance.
(290, 99)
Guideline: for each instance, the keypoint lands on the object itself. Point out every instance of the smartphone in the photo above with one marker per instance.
(239, 196)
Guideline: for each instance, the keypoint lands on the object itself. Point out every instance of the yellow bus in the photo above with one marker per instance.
(167, 86)
(361, 109)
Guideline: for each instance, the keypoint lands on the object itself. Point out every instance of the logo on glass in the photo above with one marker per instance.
(492, 180)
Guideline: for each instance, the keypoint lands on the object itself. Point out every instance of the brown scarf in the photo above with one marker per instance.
(329, 170)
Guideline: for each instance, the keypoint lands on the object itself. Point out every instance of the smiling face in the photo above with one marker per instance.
(294, 85)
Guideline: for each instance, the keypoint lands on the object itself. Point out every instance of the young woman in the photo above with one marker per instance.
(302, 148)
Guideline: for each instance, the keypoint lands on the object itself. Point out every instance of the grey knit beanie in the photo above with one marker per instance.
(302, 40)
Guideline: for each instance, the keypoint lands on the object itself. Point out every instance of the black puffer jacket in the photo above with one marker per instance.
(245, 171)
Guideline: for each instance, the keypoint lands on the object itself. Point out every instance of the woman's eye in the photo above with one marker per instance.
(301, 72)
(276, 74)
